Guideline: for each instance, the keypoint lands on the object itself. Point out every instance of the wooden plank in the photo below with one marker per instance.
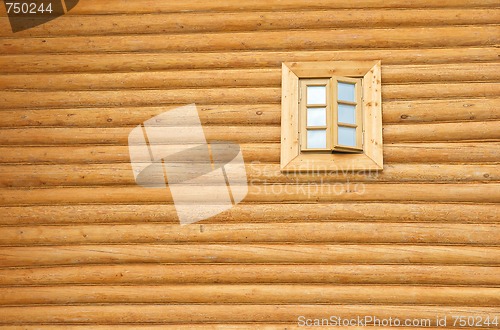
(93, 7)
(252, 21)
(151, 61)
(192, 326)
(442, 152)
(267, 152)
(119, 136)
(394, 112)
(441, 110)
(415, 37)
(248, 254)
(121, 174)
(307, 232)
(276, 193)
(468, 152)
(440, 91)
(254, 294)
(243, 95)
(429, 132)
(459, 72)
(289, 113)
(118, 98)
(249, 77)
(145, 80)
(405, 212)
(210, 114)
(182, 313)
(152, 274)
(443, 132)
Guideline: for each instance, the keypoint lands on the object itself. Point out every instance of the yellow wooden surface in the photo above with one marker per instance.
(82, 246)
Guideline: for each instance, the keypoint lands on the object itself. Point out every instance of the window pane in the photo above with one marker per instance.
(346, 92)
(347, 114)
(347, 136)
(316, 94)
(316, 139)
(316, 117)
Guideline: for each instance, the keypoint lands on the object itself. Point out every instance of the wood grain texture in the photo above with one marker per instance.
(312, 232)
(257, 294)
(254, 213)
(249, 254)
(269, 40)
(262, 193)
(395, 112)
(257, 173)
(188, 314)
(156, 274)
(146, 61)
(252, 21)
(84, 247)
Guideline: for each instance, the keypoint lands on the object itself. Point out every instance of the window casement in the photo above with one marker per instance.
(331, 116)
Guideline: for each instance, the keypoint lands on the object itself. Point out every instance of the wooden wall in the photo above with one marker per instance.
(82, 245)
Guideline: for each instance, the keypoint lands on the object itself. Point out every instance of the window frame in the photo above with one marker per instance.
(332, 113)
(370, 155)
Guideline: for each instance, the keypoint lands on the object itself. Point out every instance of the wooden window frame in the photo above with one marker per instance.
(332, 111)
(292, 157)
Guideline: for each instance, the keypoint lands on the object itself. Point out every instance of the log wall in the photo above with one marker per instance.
(83, 246)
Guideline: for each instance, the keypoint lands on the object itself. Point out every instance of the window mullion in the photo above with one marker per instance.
(334, 113)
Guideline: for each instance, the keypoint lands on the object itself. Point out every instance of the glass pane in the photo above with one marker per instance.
(346, 92)
(316, 117)
(316, 139)
(316, 94)
(347, 136)
(347, 114)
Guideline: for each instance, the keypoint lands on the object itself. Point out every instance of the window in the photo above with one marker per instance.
(331, 116)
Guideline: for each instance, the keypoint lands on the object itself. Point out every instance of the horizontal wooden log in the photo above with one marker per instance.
(152, 274)
(222, 96)
(415, 37)
(276, 193)
(229, 114)
(438, 73)
(13, 100)
(233, 77)
(93, 7)
(252, 294)
(440, 91)
(442, 132)
(395, 112)
(122, 174)
(57, 63)
(254, 253)
(467, 131)
(470, 152)
(119, 136)
(145, 80)
(436, 110)
(442, 152)
(266, 152)
(251, 21)
(254, 213)
(189, 326)
(174, 313)
(310, 232)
